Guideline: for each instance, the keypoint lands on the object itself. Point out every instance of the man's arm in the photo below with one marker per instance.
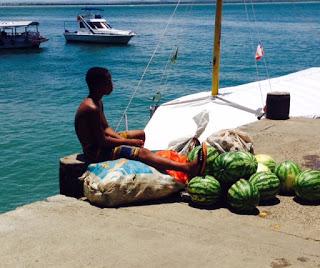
(113, 137)
(114, 142)
(110, 132)
(107, 130)
(110, 141)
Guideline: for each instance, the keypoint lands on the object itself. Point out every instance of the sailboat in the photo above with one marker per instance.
(228, 108)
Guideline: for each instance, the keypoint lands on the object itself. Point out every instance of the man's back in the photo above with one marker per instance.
(89, 127)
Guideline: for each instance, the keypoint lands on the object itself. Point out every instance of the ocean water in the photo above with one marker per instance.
(41, 89)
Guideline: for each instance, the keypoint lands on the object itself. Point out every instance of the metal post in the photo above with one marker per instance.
(216, 50)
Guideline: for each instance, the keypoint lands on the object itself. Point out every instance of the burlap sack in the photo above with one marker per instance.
(231, 140)
(123, 181)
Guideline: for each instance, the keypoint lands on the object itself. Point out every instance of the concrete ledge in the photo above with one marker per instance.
(66, 232)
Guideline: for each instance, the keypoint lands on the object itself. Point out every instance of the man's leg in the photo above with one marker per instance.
(144, 155)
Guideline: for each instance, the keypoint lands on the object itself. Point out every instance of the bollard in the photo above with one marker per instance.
(278, 105)
(71, 168)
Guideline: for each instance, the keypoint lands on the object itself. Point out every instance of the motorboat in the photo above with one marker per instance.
(20, 34)
(93, 28)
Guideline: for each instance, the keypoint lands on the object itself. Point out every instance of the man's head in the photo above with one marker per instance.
(99, 81)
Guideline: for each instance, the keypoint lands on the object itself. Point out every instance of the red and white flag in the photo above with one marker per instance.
(259, 52)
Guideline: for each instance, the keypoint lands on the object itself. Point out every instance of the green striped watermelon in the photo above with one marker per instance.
(266, 160)
(267, 183)
(192, 155)
(231, 166)
(243, 196)
(204, 190)
(212, 153)
(307, 185)
(287, 171)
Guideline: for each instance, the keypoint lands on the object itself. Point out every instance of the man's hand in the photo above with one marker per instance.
(136, 142)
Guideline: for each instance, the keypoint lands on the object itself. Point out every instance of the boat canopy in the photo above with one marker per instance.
(98, 20)
(14, 24)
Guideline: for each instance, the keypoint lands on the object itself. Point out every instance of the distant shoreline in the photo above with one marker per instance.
(58, 3)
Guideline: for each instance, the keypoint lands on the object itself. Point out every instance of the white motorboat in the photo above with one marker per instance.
(93, 28)
(19, 34)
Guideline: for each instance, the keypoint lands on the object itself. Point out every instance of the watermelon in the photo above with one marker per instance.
(204, 190)
(243, 196)
(212, 153)
(231, 166)
(262, 167)
(307, 185)
(287, 171)
(267, 183)
(192, 155)
(267, 160)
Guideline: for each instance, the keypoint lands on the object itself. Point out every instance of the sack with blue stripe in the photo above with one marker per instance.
(123, 181)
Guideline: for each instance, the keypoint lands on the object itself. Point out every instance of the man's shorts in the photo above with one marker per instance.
(125, 151)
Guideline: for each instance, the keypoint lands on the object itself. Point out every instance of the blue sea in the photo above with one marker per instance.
(41, 89)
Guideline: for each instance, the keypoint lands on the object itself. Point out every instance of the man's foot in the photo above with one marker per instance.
(200, 163)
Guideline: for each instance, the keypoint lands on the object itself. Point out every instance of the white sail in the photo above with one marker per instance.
(173, 121)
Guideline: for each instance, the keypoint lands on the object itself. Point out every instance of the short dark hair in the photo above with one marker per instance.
(97, 76)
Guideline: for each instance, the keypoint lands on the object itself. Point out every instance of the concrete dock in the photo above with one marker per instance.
(66, 232)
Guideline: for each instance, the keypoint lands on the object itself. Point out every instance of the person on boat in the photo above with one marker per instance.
(101, 143)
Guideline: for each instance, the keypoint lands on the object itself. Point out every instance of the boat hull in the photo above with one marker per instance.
(102, 39)
(20, 43)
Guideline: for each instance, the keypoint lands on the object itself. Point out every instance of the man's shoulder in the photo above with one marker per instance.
(89, 105)
(88, 108)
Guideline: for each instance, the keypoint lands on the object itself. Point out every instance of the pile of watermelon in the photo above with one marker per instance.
(244, 180)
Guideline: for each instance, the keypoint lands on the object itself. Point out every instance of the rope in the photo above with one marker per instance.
(253, 49)
(149, 62)
(165, 74)
(264, 59)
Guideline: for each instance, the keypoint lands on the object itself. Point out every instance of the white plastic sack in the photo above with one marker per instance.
(186, 144)
(123, 181)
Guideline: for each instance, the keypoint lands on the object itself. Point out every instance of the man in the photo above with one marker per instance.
(100, 142)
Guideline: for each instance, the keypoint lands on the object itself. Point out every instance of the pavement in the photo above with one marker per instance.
(67, 232)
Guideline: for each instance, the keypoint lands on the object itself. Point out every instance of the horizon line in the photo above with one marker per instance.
(152, 2)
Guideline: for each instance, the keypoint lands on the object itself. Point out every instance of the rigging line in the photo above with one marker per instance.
(164, 76)
(166, 73)
(252, 49)
(148, 64)
(264, 59)
(258, 112)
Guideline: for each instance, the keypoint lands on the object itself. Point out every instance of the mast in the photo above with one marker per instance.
(216, 49)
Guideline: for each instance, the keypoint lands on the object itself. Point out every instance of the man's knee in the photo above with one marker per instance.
(142, 135)
(144, 153)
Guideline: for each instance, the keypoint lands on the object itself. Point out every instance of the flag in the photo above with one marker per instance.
(259, 52)
(174, 56)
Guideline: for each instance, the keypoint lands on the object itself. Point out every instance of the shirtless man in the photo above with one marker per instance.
(101, 143)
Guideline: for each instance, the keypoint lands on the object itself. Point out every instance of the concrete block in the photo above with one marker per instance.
(71, 168)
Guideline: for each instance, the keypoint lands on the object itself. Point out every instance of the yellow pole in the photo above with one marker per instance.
(216, 49)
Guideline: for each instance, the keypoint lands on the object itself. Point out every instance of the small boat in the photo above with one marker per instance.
(19, 34)
(93, 28)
